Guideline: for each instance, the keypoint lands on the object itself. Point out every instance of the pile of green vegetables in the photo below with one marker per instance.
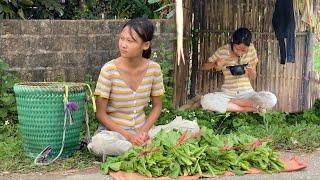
(183, 154)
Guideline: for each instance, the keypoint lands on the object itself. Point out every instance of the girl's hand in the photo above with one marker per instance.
(135, 139)
(220, 62)
(143, 134)
(249, 69)
(211, 65)
(207, 66)
(251, 72)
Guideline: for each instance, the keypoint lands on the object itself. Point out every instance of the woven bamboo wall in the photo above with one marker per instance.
(181, 72)
(219, 18)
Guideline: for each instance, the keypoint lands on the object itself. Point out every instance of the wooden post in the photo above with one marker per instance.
(307, 70)
(181, 71)
(195, 41)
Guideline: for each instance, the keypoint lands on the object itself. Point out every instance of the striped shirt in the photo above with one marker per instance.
(234, 85)
(126, 107)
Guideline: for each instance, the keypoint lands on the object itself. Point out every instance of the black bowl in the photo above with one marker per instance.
(237, 70)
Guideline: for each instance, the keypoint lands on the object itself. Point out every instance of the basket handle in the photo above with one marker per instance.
(92, 99)
(94, 107)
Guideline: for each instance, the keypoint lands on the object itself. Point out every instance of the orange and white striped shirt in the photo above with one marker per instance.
(126, 107)
(235, 84)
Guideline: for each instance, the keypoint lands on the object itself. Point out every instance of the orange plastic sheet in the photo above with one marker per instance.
(292, 164)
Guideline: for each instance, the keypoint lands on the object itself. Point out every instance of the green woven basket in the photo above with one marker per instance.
(41, 116)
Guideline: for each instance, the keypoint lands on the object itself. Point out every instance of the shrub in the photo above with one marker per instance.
(8, 113)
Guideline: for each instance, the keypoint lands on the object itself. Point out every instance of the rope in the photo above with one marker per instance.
(87, 124)
(41, 157)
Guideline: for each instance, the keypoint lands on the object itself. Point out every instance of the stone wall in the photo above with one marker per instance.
(55, 50)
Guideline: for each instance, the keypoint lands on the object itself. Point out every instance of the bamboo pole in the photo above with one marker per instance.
(308, 69)
(195, 41)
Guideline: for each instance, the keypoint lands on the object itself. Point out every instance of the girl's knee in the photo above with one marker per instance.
(107, 144)
(214, 102)
(269, 99)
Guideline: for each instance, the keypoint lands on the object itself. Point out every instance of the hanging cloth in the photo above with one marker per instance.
(308, 16)
(284, 26)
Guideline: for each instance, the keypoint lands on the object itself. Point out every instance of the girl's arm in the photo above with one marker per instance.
(251, 72)
(154, 114)
(251, 69)
(207, 66)
(213, 65)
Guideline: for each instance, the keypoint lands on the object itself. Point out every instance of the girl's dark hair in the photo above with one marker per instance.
(241, 35)
(144, 28)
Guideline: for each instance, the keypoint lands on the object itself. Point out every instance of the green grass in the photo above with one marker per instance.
(290, 131)
(317, 57)
(299, 131)
(12, 157)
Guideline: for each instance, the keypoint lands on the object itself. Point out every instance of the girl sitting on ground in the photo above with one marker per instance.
(237, 94)
(124, 88)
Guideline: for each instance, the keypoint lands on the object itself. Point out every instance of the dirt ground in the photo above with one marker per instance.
(312, 172)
